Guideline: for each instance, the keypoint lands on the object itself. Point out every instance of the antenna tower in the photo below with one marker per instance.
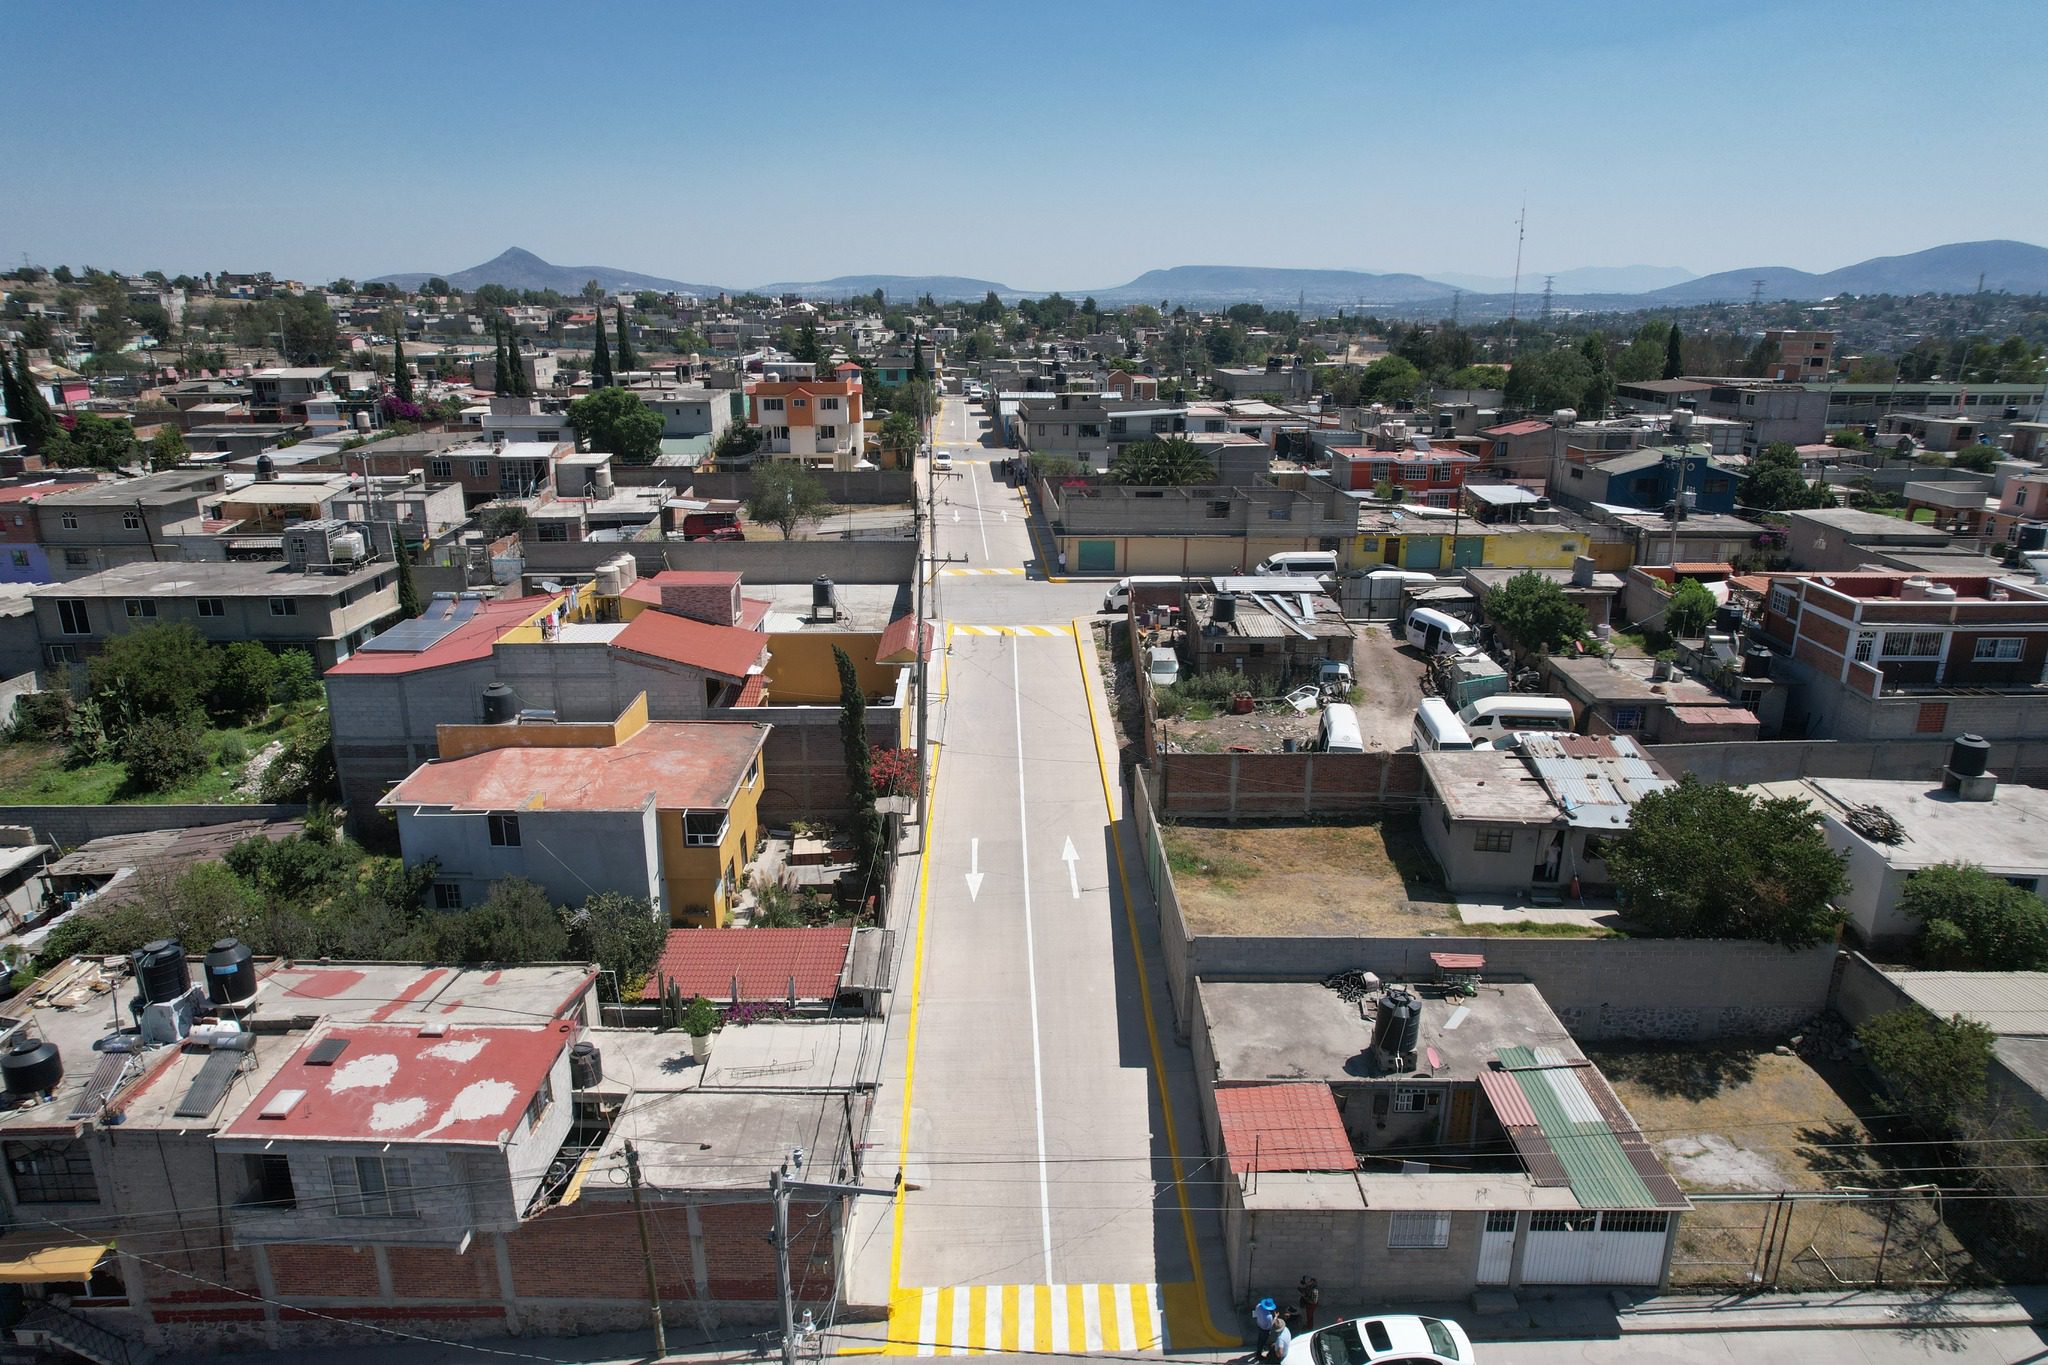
(1756, 299)
(1546, 298)
(1515, 299)
(1456, 296)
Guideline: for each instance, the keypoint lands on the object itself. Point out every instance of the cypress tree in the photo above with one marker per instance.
(501, 382)
(408, 592)
(628, 362)
(401, 373)
(916, 356)
(515, 369)
(38, 424)
(1674, 353)
(601, 361)
(10, 391)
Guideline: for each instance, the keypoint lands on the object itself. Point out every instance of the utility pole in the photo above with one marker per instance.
(920, 525)
(780, 1188)
(647, 1255)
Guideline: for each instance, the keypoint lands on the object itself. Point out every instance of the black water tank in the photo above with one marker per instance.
(160, 971)
(2033, 537)
(1397, 1024)
(1969, 756)
(1756, 662)
(1226, 609)
(230, 972)
(821, 595)
(31, 1067)
(586, 1066)
(1727, 618)
(501, 705)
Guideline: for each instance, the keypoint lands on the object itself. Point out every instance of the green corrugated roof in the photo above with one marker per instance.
(1599, 1171)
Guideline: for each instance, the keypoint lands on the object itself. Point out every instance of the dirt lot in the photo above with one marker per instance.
(1307, 879)
(1389, 687)
(1744, 1120)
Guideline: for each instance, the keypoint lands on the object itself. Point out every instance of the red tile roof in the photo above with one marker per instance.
(397, 1084)
(472, 639)
(725, 650)
(895, 645)
(680, 764)
(704, 962)
(1527, 428)
(1288, 1127)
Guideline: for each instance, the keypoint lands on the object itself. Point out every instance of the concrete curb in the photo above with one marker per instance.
(1883, 1313)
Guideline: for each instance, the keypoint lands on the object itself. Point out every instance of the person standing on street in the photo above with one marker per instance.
(1310, 1295)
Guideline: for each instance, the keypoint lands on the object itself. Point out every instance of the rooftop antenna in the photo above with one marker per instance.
(1515, 299)
(1546, 298)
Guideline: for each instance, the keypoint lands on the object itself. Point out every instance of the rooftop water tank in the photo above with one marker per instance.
(230, 972)
(501, 704)
(31, 1066)
(586, 1065)
(1226, 608)
(161, 972)
(1969, 756)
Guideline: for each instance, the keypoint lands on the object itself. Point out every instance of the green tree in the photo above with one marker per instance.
(737, 443)
(1391, 379)
(1534, 614)
(1674, 353)
(1775, 484)
(165, 671)
(628, 361)
(95, 442)
(408, 591)
(869, 838)
(785, 494)
(1477, 377)
(615, 420)
(298, 679)
(1704, 860)
(167, 448)
(501, 380)
(401, 373)
(620, 933)
(159, 752)
(1937, 1069)
(516, 923)
(243, 682)
(1548, 381)
(39, 429)
(1978, 459)
(900, 437)
(1971, 920)
(601, 359)
(1691, 607)
(1171, 462)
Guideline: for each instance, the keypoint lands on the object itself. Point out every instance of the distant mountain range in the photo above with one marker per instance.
(1957, 268)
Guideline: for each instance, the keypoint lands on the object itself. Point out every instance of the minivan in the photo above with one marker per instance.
(1338, 731)
(1306, 563)
(1119, 597)
(1492, 718)
(1435, 632)
(1438, 729)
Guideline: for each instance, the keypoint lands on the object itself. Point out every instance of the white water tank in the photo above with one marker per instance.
(1915, 589)
(349, 547)
(609, 582)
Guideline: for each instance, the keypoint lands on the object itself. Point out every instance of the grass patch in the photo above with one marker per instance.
(1533, 928)
(32, 773)
(1187, 859)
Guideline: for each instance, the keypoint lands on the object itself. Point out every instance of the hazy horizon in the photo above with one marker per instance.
(921, 139)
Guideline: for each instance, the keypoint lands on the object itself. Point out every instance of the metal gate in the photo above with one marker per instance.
(1579, 1246)
(1497, 1247)
(1817, 1239)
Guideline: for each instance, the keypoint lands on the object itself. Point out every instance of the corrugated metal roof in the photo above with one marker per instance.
(1509, 1104)
(1593, 778)
(1601, 1174)
(2012, 1003)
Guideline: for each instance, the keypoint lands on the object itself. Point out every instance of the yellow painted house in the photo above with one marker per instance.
(665, 810)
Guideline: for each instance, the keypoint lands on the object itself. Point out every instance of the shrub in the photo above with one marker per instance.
(1936, 1069)
(699, 1018)
(895, 772)
(246, 678)
(231, 753)
(160, 752)
(41, 716)
(1973, 921)
(164, 672)
(303, 769)
(297, 679)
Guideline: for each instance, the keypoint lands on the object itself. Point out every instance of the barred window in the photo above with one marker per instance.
(372, 1186)
(1563, 1220)
(1500, 1220)
(1493, 839)
(1633, 1220)
(1418, 1231)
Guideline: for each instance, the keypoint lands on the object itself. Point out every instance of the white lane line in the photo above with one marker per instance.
(1031, 963)
(980, 520)
(927, 1322)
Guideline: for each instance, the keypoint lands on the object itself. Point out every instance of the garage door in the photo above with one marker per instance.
(1582, 1247)
(1097, 556)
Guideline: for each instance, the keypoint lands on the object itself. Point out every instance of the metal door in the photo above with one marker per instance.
(1468, 551)
(1097, 556)
(1497, 1247)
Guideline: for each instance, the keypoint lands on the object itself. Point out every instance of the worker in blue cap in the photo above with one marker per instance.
(1265, 1316)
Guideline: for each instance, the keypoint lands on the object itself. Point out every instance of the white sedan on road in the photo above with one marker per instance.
(942, 463)
(1403, 1339)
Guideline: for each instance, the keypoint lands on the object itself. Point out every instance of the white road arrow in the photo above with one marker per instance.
(974, 873)
(956, 516)
(1073, 861)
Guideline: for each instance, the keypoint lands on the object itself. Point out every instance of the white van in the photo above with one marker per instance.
(1438, 728)
(1119, 597)
(1435, 632)
(1304, 563)
(1492, 718)
(1338, 731)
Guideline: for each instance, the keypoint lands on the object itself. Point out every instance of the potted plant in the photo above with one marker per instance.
(699, 1019)
(1661, 669)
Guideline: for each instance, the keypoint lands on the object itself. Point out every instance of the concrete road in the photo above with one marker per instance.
(1988, 1345)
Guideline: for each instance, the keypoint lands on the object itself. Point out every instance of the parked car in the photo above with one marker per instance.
(1402, 1339)
(942, 463)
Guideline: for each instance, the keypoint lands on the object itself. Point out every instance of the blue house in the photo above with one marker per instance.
(1649, 479)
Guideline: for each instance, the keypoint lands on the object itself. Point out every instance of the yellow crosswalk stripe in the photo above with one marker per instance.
(1001, 569)
(1032, 631)
(1065, 1318)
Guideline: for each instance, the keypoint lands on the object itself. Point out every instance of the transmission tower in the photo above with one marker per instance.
(1756, 300)
(1456, 296)
(1547, 279)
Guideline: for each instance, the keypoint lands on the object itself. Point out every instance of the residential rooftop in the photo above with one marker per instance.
(760, 964)
(669, 764)
(211, 578)
(2007, 835)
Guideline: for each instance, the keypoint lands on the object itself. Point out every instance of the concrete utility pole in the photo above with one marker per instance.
(647, 1253)
(780, 1187)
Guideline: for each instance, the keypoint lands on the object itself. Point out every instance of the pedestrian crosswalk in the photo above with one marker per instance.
(1066, 630)
(968, 573)
(1060, 1319)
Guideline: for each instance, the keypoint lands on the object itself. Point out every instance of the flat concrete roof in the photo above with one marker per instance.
(1611, 680)
(1302, 1030)
(190, 578)
(2007, 835)
(1489, 784)
(863, 606)
(1855, 522)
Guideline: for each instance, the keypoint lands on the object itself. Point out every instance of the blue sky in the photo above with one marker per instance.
(1043, 144)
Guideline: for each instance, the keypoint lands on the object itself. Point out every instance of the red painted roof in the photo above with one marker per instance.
(895, 644)
(397, 1084)
(725, 650)
(704, 961)
(648, 589)
(680, 764)
(28, 492)
(1528, 428)
(1510, 1105)
(1288, 1127)
(754, 692)
(472, 639)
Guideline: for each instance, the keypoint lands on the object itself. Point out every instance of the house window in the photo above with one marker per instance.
(70, 521)
(71, 616)
(1563, 1220)
(504, 830)
(20, 559)
(372, 1186)
(1866, 645)
(131, 521)
(799, 402)
(76, 559)
(1500, 1220)
(1912, 644)
(63, 654)
(1493, 839)
(1751, 697)
(829, 404)
(1634, 1220)
(447, 895)
(140, 608)
(537, 1107)
(1418, 1231)
(771, 405)
(1628, 717)
(441, 469)
(1219, 507)
(1785, 602)
(1998, 649)
(1410, 1100)
(283, 606)
(212, 607)
(703, 829)
(480, 468)
(51, 1173)
(553, 531)
(753, 773)
(828, 433)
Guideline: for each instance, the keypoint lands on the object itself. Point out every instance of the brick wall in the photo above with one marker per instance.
(70, 826)
(1254, 786)
(322, 1271)
(716, 603)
